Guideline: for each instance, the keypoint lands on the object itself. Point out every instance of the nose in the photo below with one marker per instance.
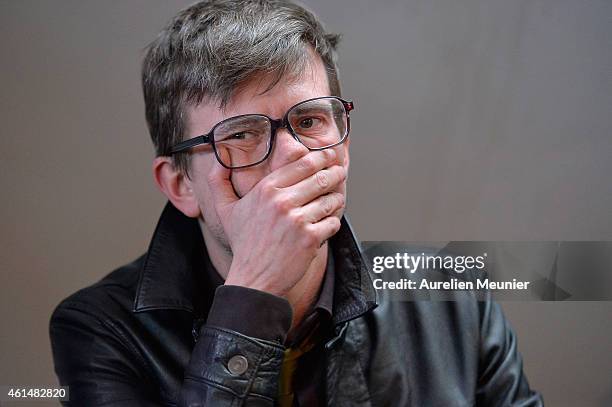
(286, 149)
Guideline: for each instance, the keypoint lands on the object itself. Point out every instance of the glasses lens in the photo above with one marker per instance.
(243, 140)
(319, 123)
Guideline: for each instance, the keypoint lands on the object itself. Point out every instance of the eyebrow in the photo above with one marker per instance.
(243, 121)
(319, 108)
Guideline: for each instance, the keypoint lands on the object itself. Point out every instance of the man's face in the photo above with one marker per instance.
(248, 100)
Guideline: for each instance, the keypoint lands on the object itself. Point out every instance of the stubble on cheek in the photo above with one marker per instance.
(210, 223)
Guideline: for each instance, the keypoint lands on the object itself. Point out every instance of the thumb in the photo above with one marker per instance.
(220, 182)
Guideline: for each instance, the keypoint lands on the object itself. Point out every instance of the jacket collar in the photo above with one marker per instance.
(171, 271)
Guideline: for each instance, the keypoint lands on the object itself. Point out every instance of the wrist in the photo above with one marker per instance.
(251, 312)
(255, 284)
(253, 276)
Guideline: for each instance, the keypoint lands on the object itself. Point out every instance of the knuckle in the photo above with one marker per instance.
(307, 163)
(340, 200)
(322, 179)
(291, 198)
(339, 173)
(294, 154)
(330, 153)
(328, 204)
(298, 219)
(282, 204)
(310, 240)
(267, 189)
(335, 225)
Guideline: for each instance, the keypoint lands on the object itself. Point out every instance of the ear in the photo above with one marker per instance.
(176, 186)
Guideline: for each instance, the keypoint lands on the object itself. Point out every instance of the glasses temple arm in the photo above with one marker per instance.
(187, 144)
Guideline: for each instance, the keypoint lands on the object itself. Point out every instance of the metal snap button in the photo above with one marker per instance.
(237, 365)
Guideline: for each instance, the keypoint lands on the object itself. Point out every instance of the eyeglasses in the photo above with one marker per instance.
(247, 140)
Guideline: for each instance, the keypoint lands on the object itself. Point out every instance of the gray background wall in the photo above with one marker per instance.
(484, 120)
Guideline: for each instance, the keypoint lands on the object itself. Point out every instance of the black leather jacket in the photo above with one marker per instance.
(138, 337)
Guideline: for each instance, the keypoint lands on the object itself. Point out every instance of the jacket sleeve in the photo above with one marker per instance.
(501, 379)
(227, 368)
(238, 354)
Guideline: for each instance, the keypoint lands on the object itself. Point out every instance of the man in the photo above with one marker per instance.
(254, 290)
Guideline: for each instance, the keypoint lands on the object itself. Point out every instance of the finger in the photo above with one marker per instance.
(302, 168)
(220, 182)
(318, 184)
(325, 228)
(323, 206)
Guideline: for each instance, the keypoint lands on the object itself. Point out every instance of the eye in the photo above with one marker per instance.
(308, 122)
(243, 135)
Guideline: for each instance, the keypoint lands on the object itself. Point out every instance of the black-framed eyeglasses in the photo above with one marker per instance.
(247, 140)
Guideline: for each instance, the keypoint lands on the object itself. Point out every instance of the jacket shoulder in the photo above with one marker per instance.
(92, 350)
(112, 293)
